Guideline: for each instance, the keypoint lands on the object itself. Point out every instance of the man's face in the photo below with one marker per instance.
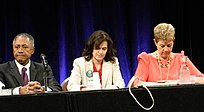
(22, 49)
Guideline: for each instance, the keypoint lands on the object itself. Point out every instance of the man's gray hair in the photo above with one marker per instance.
(31, 39)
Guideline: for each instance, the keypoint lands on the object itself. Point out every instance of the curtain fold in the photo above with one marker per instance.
(62, 27)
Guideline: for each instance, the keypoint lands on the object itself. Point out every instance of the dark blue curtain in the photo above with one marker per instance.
(62, 27)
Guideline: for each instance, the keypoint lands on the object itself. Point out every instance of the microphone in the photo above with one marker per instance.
(44, 61)
(45, 64)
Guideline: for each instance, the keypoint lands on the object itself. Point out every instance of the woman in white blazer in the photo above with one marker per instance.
(98, 68)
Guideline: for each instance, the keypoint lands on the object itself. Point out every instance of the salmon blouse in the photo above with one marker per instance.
(149, 70)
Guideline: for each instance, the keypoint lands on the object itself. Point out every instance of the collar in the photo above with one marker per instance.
(21, 66)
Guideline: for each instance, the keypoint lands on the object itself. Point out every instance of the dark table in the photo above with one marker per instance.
(45, 102)
(184, 98)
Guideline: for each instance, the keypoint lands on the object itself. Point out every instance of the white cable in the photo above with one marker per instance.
(2, 85)
(130, 84)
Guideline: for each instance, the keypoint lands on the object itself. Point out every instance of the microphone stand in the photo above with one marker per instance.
(45, 66)
(45, 77)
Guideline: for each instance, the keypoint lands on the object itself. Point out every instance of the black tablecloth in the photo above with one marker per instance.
(187, 98)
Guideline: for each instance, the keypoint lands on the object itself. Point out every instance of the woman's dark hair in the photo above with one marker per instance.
(96, 39)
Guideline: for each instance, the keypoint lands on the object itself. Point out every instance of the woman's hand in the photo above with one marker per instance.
(199, 80)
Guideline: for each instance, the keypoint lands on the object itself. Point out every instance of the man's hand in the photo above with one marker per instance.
(32, 87)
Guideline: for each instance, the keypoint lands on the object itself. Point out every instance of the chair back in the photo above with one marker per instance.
(64, 84)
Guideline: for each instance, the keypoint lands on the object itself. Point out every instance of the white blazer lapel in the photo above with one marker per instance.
(87, 66)
(106, 73)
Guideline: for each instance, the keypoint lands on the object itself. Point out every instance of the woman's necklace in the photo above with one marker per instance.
(161, 65)
(166, 65)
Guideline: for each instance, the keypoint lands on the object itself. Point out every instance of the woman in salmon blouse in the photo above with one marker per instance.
(163, 65)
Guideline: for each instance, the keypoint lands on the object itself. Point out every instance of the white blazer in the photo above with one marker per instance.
(111, 75)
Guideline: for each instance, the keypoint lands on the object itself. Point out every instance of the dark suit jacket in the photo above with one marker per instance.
(10, 76)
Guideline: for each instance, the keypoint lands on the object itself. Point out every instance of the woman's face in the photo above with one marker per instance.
(164, 48)
(99, 52)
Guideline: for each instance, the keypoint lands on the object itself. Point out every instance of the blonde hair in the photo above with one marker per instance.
(164, 31)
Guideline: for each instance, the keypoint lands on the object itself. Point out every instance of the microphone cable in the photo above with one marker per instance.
(144, 86)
